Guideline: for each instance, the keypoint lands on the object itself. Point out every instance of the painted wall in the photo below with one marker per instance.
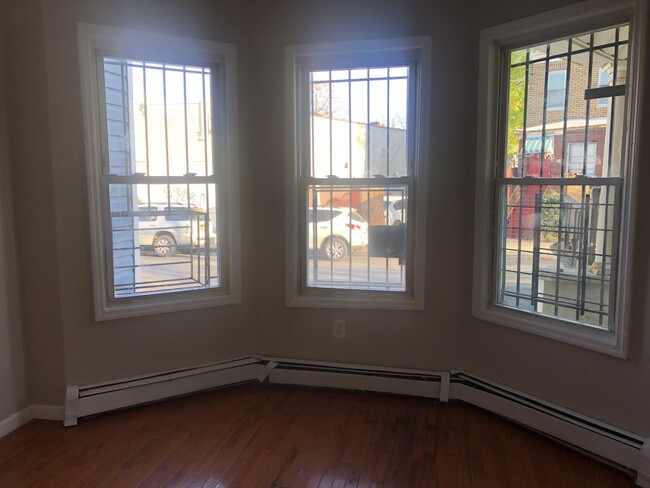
(431, 339)
(65, 345)
(36, 232)
(13, 384)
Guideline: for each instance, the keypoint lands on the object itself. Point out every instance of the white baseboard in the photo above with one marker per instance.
(42, 412)
(14, 421)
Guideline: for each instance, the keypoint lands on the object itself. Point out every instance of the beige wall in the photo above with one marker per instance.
(65, 345)
(13, 385)
(100, 351)
(430, 339)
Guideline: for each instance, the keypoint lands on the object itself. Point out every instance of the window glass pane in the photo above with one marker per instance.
(358, 240)
(359, 123)
(556, 89)
(555, 241)
(164, 238)
(555, 250)
(596, 120)
(160, 115)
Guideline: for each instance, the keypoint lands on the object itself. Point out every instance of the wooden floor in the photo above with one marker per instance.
(264, 436)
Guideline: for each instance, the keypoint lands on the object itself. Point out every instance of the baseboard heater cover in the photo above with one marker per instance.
(617, 445)
(364, 378)
(82, 401)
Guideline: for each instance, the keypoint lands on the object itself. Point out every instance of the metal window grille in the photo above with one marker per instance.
(358, 177)
(158, 180)
(559, 201)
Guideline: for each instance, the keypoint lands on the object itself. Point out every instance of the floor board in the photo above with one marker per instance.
(265, 436)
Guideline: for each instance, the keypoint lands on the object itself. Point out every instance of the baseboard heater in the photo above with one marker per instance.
(611, 443)
(82, 401)
(606, 441)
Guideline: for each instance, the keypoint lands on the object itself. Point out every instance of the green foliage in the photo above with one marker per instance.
(550, 216)
(516, 94)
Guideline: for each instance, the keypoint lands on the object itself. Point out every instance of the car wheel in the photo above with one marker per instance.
(164, 245)
(336, 248)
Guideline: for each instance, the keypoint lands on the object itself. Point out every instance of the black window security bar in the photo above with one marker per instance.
(559, 210)
(158, 176)
(359, 178)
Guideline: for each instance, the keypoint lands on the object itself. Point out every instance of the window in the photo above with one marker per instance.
(581, 163)
(604, 79)
(358, 124)
(162, 174)
(556, 216)
(556, 90)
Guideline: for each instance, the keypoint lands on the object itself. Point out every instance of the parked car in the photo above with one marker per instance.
(165, 229)
(339, 231)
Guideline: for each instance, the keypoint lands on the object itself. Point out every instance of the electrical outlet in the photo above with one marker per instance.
(339, 328)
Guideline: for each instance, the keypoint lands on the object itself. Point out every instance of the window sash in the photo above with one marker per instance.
(344, 62)
(213, 176)
(306, 179)
(355, 184)
(345, 55)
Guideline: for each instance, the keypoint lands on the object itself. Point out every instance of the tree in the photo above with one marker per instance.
(516, 101)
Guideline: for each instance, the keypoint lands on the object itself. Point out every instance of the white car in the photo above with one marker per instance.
(165, 228)
(338, 231)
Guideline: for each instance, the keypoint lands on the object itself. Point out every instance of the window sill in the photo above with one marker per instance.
(158, 304)
(585, 336)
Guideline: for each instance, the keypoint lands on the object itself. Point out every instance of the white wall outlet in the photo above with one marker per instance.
(339, 328)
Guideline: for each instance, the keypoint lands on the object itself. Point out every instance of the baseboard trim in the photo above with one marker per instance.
(15, 420)
(604, 440)
(18, 419)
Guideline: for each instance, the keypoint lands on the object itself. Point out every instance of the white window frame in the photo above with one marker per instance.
(582, 16)
(556, 74)
(591, 156)
(297, 62)
(93, 40)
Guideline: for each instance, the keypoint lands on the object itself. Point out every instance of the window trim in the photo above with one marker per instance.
(296, 292)
(93, 41)
(549, 25)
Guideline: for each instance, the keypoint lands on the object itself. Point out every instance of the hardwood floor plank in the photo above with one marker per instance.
(255, 436)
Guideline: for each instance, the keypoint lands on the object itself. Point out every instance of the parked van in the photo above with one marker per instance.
(166, 228)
